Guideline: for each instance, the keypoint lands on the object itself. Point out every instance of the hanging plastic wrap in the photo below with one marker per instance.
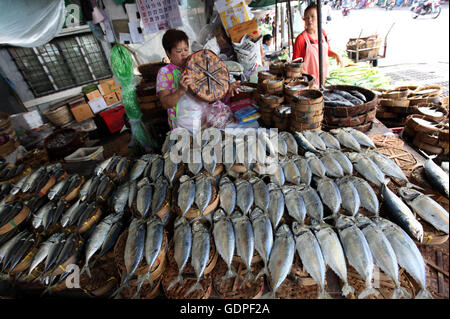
(122, 68)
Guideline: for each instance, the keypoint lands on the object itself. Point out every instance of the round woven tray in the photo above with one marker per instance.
(146, 292)
(158, 266)
(189, 276)
(371, 98)
(350, 121)
(16, 221)
(427, 91)
(381, 140)
(231, 289)
(362, 128)
(405, 160)
(422, 109)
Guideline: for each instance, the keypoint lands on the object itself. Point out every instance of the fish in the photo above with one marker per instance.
(66, 251)
(26, 244)
(112, 164)
(18, 186)
(57, 189)
(112, 236)
(437, 177)
(304, 169)
(346, 139)
(38, 219)
(315, 140)
(282, 146)
(209, 160)
(315, 164)
(295, 204)
(349, 195)
(401, 214)
(93, 188)
(104, 181)
(85, 189)
(66, 217)
(168, 143)
(291, 143)
(195, 163)
(120, 198)
(263, 234)
(43, 251)
(229, 154)
(368, 198)
(227, 195)
(48, 217)
(245, 242)
(203, 192)
(153, 243)
(186, 194)
(333, 253)
(97, 239)
(407, 253)
(281, 257)
(244, 195)
(199, 254)
(260, 192)
(122, 167)
(75, 215)
(312, 202)
(132, 194)
(290, 170)
(138, 169)
(368, 169)
(357, 251)
(182, 247)
(170, 168)
(426, 207)
(330, 194)
(332, 167)
(310, 254)
(12, 248)
(54, 252)
(86, 215)
(276, 204)
(387, 166)
(159, 195)
(102, 166)
(278, 177)
(382, 252)
(360, 137)
(304, 143)
(134, 251)
(73, 182)
(144, 200)
(157, 168)
(330, 141)
(32, 179)
(6, 247)
(343, 161)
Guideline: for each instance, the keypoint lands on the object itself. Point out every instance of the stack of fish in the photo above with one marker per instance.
(308, 201)
(9, 171)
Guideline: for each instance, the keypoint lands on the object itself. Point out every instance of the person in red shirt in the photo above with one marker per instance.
(306, 46)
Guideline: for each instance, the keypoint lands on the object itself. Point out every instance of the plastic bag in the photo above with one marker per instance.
(218, 115)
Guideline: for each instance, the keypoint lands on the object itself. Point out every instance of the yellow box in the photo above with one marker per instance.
(108, 86)
(111, 98)
(81, 112)
(93, 95)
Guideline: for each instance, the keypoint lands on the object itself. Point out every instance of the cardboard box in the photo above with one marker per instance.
(249, 27)
(81, 111)
(233, 12)
(98, 104)
(119, 94)
(108, 86)
(93, 95)
(111, 98)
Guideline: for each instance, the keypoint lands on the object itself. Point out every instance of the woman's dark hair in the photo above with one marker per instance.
(310, 7)
(266, 38)
(172, 37)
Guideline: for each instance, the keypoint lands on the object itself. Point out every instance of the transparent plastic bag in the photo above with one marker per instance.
(218, 115)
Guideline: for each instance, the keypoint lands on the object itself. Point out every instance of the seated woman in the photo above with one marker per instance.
(172, 83)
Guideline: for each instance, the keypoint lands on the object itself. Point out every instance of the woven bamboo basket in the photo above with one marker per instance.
(281, 120)
(7, 148)
(308, 101)
(267, 116)
(435, 112)
(178, 292)
(294, 70)
(397, 93)
(272, 86)
(270, 100)
(417, 123)
(59, 116)
(231, 289)
(427, 91)
(15, 221)
(277, 67)
(294, 88)
(415, 100)
(6, 127)
(381, 140)
(403, 102)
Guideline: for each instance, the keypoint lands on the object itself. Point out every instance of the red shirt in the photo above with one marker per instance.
(300, 44)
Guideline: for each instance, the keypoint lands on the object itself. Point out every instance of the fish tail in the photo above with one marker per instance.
(424, 294)
(178, 279)
(347, 289)
(196, 286)
(323, 294)
(369, 290)
(269, 295)
(401, 292)
(248, 277)
(86, 269)
(230, 274)
(141, 280)
(116, 293)
(411, 185)
(149, 277)
(263, 271)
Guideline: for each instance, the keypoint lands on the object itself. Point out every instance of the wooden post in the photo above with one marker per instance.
(291, 28)
(319, 39)
(276, 25)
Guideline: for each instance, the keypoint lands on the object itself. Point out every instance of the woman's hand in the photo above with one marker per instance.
(234, 88)
(339, 60)
(185, 81)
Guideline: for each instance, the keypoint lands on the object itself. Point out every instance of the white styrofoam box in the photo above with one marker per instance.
(27, 120)
(98, 104)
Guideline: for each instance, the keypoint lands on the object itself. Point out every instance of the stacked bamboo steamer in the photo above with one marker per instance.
(359, 117)
(306, 111)
(269, 103)
(428, 133)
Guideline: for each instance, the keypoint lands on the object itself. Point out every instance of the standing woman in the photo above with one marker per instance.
(306, 46)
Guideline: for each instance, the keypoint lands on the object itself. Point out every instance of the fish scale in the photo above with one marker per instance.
(244, 195)
(182, 247)
(227, 195)
(262, 230)
(276, 205)
(294, 203)
(261, 193)
(245, 241)
(199, 254)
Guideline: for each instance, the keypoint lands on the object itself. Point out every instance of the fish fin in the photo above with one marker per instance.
(269, 295)
(178, 279)
(401, 292)
(149, 277)
(196, 286)
(263, 271)
(323, 294)
(248, 277)
(367, 292)
(86, 269)
(424, 294)
(411, 185)
(230, 274)
(347, 289)
(141, 280)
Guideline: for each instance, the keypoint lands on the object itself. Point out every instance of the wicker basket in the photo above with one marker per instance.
(8, 147)
(59, 116)
(72, 143)
(150, 70)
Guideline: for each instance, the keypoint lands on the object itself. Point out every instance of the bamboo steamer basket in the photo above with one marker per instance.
(397, 93)
(290, 89)
(427, 91)
(298, 127)
(15, 221)
(231, 289)
(59, 116)
(272, 86)
(267, 116)
(308, 101)
(294, 70)
(264, 75)
(430, 149)
(403, 102)
(421, 109)
(277, 67)
(189, 277)
(281, 120)
(157, 268)
(194, 212)
(270, 100)
(414, 123)
(427, 138)
(415, 100)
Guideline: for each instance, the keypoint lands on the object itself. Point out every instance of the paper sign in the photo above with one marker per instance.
(137, 33)
(233, 12)
(125, 38)
(132, 12)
